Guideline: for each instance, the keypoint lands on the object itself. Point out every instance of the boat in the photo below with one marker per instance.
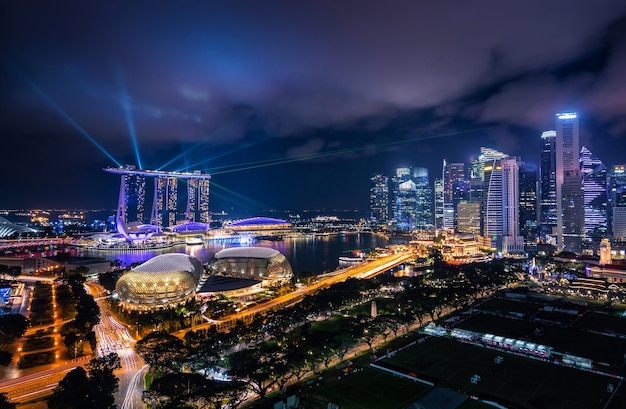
(195, 240)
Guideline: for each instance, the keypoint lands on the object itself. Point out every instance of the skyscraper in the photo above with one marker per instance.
(438, 203)
(569, 188)
(424, 199)
(134, 198)
(197, 200)
(412, 199)
(166, 192)
(453, 176)
(528, 225)
(379, 199)
(617, 196)
(501, 204)
(547, 183)
(404, 199)
(595, 195)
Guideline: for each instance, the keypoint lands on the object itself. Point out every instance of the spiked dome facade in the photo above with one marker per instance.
(162, 282)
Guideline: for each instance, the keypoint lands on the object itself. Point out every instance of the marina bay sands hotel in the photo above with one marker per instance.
(168, 196)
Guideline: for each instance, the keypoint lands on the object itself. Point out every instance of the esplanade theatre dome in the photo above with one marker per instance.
(256, 263)
(161, 282)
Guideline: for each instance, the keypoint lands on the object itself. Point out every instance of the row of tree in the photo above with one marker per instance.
(282, 346)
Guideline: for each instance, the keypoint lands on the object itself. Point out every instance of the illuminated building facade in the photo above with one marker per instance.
(134, 198)
(569, 187)
(379, 199)
(412, 199)
(130, 216)
(453, 179)
(164, 281)
(595, 195)
(547, 183)
(468, 217)
(501, 204)
(617, 200)
(528, 224)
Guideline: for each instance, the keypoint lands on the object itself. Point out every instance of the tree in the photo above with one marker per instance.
(162, 351)
(87, 313)
(92, 388)
(13, 326)
(258, 366)
(5, 358)
(5, 403)
(103, 384)
(72, 391)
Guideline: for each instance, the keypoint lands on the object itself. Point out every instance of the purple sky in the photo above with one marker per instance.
(362, 86)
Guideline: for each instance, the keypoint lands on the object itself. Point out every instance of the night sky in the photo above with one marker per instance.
(293, 104)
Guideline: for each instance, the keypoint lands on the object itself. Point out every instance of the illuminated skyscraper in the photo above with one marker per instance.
(412, 198)
(617, 197)
(404, 199)
(501, 204)
(595, 195)
(528, 225)
(197, 200)
(166, 192)
(438, 203)
(424, 199)
(453, 177)
(379, 199)
(547, 183)
(134, 198)
(569, 187)
(468, 217)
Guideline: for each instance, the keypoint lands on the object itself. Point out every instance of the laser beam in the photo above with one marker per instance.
(69, 119)
(274, 162)
(125, 102)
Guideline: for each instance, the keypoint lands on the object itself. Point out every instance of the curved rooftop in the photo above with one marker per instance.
(8, 229)
(163, 281)
(255, 221)
(247, 252)
(253, 263)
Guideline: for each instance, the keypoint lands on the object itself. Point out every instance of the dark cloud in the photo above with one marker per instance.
(226, 83)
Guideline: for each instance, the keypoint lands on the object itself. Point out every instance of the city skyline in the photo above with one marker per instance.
(275, 101)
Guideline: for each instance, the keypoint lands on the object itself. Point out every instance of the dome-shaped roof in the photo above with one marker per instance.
(252, 263)
(161, 282)
(255, 221)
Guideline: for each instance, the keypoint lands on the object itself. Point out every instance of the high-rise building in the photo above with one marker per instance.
(547, 184)
(617, 201)
(569, 188)
(198, 200)
(412, 199)
(453, 176)
(424, 200)
(379, 199)
(595, 196)
(166, 192)
(468, 217)
(134, 198)
(528, 225)
(501, 204)
(438, 203)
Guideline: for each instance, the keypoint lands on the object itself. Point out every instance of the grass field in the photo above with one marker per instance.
(503, 305)
(597, 321)
(367, 389)
(517, 382)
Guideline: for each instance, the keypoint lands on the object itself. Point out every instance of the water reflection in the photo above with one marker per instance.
(305, 253)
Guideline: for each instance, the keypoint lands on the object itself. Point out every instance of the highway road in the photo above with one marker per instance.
(367, 270)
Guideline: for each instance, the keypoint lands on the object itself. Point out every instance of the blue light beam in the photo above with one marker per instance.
(126, 105)
(69, 119)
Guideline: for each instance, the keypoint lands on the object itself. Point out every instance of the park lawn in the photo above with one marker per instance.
(492, 324)
(603, 322)
(366, 308)
(367, 389)
(518, 380)
(504, 306)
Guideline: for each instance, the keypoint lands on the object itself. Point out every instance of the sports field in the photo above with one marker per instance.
(367, 389)
(516, 382)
